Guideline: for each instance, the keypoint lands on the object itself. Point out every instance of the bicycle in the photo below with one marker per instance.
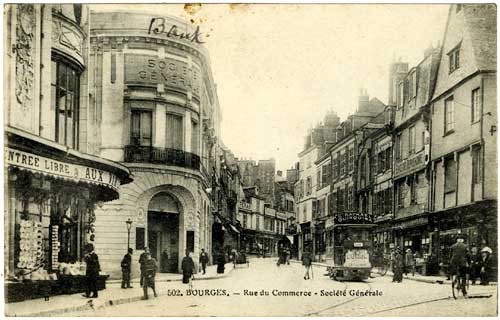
(382, 265)
(459, 283)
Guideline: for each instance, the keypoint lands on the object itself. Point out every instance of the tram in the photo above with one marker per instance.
(352, 247)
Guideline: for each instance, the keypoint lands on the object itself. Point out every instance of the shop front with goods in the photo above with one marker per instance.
(51, 195)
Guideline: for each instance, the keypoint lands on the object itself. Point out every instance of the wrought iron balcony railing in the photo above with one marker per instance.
(166, 156)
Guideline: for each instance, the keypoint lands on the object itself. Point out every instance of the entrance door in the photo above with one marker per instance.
(163, 232)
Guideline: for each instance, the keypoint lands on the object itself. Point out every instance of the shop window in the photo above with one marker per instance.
(450, 175)
(140, 238)
(141, 127)
(175, 131)
(476, 164)
(476, 105)
(65, 85)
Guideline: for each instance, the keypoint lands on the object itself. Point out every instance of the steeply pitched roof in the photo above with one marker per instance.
(481, 20)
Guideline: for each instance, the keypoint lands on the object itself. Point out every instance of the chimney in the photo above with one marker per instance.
(363, 101)
(397, 71)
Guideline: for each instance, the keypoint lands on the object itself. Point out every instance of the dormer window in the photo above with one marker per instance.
(454, 59)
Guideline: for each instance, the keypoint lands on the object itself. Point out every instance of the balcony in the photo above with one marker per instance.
(173, 157)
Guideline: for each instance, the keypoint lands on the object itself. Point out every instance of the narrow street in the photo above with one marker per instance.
(230, 296)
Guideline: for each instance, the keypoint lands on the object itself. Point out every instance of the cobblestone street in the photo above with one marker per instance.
(409, 297)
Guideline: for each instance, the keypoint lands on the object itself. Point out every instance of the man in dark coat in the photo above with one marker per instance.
(398, 266)
(221, 261)
(203, 260)
(92, 271)
(149, 271)
(187, 266)
(127, 269)
(307, 262)
(142, 261)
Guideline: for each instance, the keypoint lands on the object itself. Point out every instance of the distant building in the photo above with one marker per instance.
(260, 174)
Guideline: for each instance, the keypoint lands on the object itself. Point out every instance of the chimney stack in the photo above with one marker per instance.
(363, 101)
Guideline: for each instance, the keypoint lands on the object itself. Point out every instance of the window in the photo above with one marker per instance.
(449, 115)
(413, 84)
(398, 146)
(326, 175)
(476, 164)
(350, 198)
(413, 191)
(381, 162)
(450, 175)
(308, 186)
(341, 158)
(335, 168)
(65, 85)
(332, 203)
(388, 158)
(411, 139)
(340, 200)
(175, 132)
(318, 180)
(245, 220)
(401, 94)
(141, 127)
(350, 160)
(194, 137)
(454, 59)
(476, 105)
(400, 195)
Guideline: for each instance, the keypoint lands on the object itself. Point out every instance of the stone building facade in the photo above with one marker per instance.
(157, 113)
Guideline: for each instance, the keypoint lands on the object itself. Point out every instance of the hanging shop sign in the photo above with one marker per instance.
(353, 217)
(61, 169)
(144, 69)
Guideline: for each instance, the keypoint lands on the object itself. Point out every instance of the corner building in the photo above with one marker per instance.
(158, 114)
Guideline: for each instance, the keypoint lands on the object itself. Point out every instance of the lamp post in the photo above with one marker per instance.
(129, 226)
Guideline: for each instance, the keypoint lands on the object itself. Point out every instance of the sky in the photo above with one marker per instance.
(280, 67)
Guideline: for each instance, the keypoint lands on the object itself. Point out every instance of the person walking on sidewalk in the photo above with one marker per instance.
(398, 266)
(203, 260)
(142, 261)
(187, 268)
(127, 269)
(409, 262)
(307, 262)
(92, 272)
(149, 275)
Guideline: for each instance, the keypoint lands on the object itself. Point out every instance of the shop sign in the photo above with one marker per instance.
(144, 69)
(411, 223)
(62, 169)
(353, 217)
(410, 164)
(245, 205)
(329, 223)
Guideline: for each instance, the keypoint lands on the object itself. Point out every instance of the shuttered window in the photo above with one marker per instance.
(175, 133)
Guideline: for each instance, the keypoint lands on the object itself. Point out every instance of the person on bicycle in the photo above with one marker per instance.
(460, 260)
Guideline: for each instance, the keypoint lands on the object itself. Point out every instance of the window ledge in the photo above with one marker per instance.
(449, 132)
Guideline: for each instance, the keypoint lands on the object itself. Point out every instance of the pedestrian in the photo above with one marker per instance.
(234, 256)
(486, 266)
(460, 260)
(306, 262)
(398, 266)
(164, 261)
(475, 268)
(221, 261)
(409, 262)
(187, 267)
(203, 260)
(142, 261)
(149, 271)
(92, 272)
(127, 269)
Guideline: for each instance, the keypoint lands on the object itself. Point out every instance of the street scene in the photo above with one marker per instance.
(250, 160)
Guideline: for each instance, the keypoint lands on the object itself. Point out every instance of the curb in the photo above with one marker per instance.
(89, 306)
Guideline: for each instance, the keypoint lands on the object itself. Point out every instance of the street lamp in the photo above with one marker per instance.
(129, 226)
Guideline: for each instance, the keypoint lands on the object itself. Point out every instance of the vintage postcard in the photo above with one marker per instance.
(250, 160)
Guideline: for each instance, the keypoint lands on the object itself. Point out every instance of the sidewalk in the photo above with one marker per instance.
(416, 277)
(112, 295)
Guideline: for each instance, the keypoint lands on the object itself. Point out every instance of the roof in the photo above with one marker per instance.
(481, 21)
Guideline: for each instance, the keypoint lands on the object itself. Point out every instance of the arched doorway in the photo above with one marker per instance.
(163, 231)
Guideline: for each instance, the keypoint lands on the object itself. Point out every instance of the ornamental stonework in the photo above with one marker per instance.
(25, 53)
